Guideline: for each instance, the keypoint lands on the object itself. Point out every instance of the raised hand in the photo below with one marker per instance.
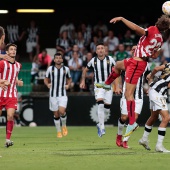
(116, 19)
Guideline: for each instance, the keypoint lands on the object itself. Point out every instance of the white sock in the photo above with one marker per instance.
(126, 138)
(101, 115)
(160, 137)
(120, 127)
(107, 111)
(63, 119)
(146, 133)
(57, 124)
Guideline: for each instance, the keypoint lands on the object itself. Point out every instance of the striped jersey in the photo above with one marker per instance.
(13, 33)
(161, 83)
(101, 68)
(149, 43)
(32, 34)
(138, 93)
(9, 71)
(58, 80)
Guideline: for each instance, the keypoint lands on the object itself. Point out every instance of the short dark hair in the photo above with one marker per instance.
(100, 43)
(44, 50)
(58, 54)
(9, 45)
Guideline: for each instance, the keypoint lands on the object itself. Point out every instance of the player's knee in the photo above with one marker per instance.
(119, 66)
(10, 117)
(124, 118)
(62, 112)
(100, 102)
(129, 95)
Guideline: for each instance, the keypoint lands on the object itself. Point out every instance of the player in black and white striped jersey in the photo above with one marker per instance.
(138, 95)
(32, 41)
(102, 66)
(58, 80)
(158, 105)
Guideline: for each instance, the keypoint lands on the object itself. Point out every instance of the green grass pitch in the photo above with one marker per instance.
(38, 148)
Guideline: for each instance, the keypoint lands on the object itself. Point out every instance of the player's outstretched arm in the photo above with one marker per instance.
(46, 82)
(150, 76)
(117, 89)
(139, 30)
(67, 86)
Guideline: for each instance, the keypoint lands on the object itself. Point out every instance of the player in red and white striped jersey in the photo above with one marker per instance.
(9, 71)
(148, 46)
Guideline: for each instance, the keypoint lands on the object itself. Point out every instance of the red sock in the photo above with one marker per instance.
(112, 77)
(9, 128)
(131, 111)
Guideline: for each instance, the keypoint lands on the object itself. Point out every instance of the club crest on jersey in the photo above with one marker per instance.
(158, 35)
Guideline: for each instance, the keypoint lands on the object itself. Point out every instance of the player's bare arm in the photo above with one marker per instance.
(6, 57)
(20, 82)
(169, 85)
(151, 75)
(46, 82)
(117, 89)
(83, 77)
(139, 30)
(4, 84)
(155, 70)
(67, 86)
(156, 54)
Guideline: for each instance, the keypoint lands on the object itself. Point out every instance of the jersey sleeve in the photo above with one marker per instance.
(47, 74)
(20, 66)
(113, 63)
(90, 64)
(68, 75)
(1, 66)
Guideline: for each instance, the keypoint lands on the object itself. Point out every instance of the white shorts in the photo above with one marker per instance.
(157, 101)
(30, 46)
(107, 95)
(138, 106)
(55, 102)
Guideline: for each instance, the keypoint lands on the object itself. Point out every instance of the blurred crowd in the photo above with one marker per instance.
(77, 43)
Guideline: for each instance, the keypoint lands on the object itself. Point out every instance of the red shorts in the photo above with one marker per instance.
(8, 102)
(134, 69)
